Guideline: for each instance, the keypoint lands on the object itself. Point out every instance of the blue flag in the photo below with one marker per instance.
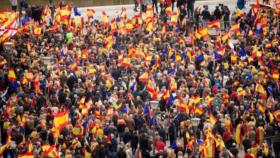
(124, 108)
(76, 12)
(147, 110)
(171, 99)
(242, 52)
(184, 56)
(199, 58)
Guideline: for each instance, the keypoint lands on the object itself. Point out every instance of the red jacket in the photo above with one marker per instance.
(160, 145)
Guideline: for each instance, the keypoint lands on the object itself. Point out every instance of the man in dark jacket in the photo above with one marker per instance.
(181, 2)
(226, 15)
(190, 7)
(206, 16)
(217, 13)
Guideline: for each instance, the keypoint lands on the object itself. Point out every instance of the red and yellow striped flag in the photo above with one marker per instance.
(144, 77)
(61, 119)
(11, 75)
(212, 119)
(26, 155)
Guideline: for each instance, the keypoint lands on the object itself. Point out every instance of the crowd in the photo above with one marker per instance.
(187, 82)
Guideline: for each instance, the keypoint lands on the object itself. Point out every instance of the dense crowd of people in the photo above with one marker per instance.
(187, 82)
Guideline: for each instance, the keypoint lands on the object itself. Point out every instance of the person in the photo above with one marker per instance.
(155, 5)
(182, 14)
(190, 8)
(173, 4)
(14, 5)
(136, 4)
(225, 16)
(144, 5)
(217, 13)
(180, 3)
(23, 4)
(206, 16)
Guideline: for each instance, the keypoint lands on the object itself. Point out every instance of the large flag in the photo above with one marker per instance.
(61, 119)
(9, 28)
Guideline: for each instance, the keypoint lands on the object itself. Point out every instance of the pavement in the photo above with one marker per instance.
(113, 11)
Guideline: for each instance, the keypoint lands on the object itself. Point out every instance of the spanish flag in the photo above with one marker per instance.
(86, 107)
(149, 25)
(50, 151)
(113, 26)
(139, 53)
(172, 84)
(260, 89)
(26, 155)
(79, 21)
(110, 111)
(61, 119)
(182, 107)
(78, 131)
(174, 18)
(168, 10)
(200, 33)
(144, 77)
(214, 24)
(105, 19)
(195, 99)
(164, 29)
(238, 134)
(209, 148)
(36, 84)
(239, 13)
(275, 75)
(90, 13)
(226, 36)
(235, 28)
(126, 62)
(212, 119)
(151, 90)
(11, 75)
(37, 30)
(277, 115)
(199, 111)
